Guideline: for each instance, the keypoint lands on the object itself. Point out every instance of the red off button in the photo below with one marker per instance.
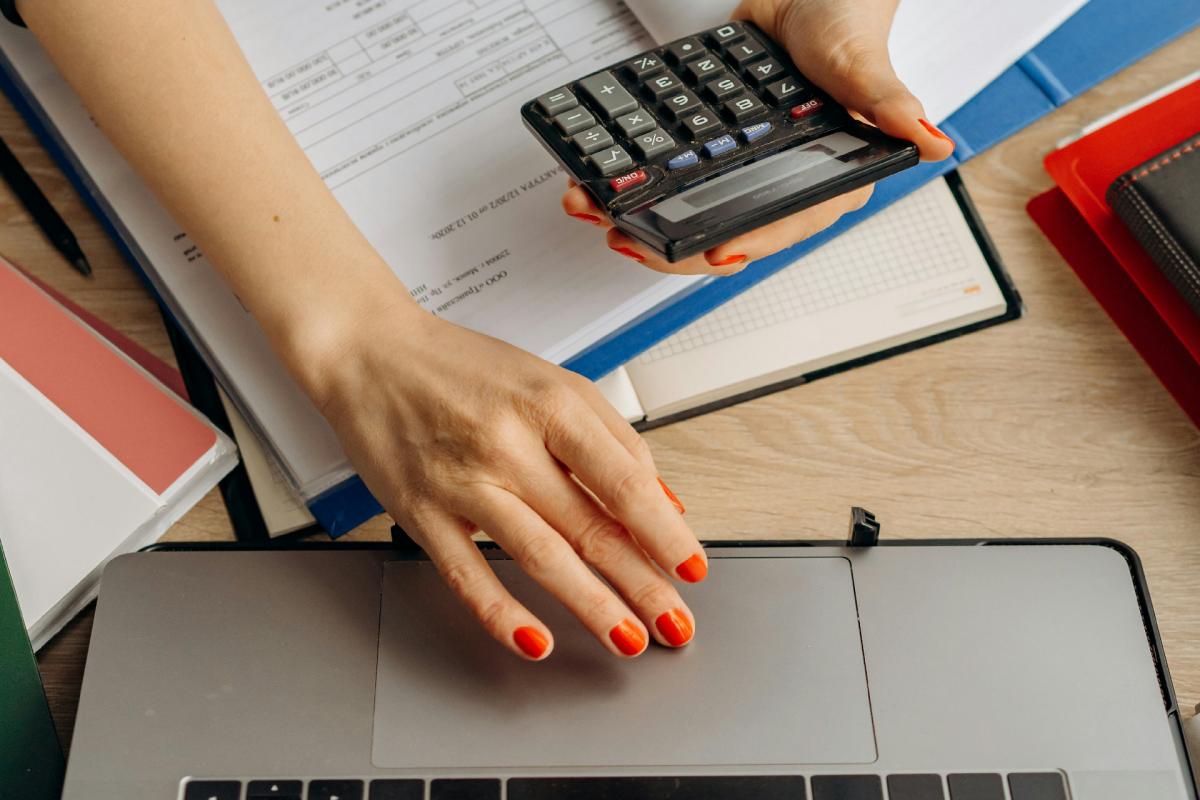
(807, 109)
(623, 182)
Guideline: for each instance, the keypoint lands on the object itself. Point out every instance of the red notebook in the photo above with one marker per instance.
(1085, 168)
(1116, 292)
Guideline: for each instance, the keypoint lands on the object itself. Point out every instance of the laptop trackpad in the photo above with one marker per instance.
(774, 676)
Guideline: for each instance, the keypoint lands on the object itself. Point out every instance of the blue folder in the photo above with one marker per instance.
(1102, 38)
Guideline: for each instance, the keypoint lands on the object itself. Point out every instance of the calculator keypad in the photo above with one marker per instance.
(697, 99)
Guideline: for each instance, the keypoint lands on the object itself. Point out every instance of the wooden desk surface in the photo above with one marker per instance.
(1049, 426)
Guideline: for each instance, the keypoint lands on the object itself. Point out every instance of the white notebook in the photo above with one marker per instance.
(96, 457)
(910, 272)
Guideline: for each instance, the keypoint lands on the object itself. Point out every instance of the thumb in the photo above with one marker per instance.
(842, 47)
(867, 83)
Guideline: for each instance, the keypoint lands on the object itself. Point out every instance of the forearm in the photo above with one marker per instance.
(167, 83)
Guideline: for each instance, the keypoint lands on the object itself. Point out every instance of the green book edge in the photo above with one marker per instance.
(31, 757)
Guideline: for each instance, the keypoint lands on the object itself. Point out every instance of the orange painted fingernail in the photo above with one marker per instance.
(694, 570)
(531, 641)
(628, 253)
(592, 218)
(729, 261)
(671, 496)
(675, 627)
(929, 126)
(628, 637)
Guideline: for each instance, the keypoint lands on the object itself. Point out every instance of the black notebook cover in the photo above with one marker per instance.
(1159, 201)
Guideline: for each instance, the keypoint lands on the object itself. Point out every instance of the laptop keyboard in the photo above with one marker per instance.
(960, 786)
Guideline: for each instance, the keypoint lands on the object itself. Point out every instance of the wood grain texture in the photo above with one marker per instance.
(1048, 426)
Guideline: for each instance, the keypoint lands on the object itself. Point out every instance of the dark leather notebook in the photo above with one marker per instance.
(1159, 201)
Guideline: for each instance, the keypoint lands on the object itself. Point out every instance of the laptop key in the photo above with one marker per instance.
(915, 787)
(465, 789)
(274, 790)
(1036, 786)
(397, 789)
(847, 787)
(341, 789)
(725, 787)
(976, 786)
(213, 790)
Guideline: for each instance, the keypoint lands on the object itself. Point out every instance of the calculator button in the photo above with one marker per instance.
(635, 122)
(570, 122)
(724, 87)
(755, 132)
(743, 53)
(606, 92)
(611, 161)
(762, 72)
(780, 91)
(592, 139)
(720, 145)
(727, 34)
(629, 180)
(687, 158)
(685, 50)
(701, 123)
(653, 143)
(663, 85)
(213, 790)
(554, 103)
(703, 69)
(644, 66)
(678, 105)
(807, 109)
(744, 107)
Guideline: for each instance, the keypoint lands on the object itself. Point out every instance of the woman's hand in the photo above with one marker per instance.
(841, 45)
(456, 432)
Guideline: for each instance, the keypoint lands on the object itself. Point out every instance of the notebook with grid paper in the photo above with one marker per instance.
(916, 273)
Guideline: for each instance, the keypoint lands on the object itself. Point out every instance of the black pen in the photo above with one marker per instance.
(40, 209)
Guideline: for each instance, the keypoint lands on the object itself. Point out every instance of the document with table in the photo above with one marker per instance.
(410, 112)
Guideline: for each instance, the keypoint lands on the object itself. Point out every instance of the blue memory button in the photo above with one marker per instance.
(720, 145)
(756, 131)
(685, 159)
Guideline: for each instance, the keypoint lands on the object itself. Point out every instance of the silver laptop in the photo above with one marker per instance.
(1013, 671)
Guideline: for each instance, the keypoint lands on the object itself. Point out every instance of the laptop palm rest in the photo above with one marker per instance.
(447, 696)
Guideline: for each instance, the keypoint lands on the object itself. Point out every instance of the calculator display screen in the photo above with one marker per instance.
(765, 182)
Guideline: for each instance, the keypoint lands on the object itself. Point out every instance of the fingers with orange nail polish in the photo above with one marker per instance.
(934, 129)
(671, 496)
(592, 218)
(694, 570)
(675, 627)
(531, 641)
(629, 253)
(728, 261)
(628, 637)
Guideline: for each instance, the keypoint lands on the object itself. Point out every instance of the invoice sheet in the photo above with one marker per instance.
(411, 112)
(946, 51)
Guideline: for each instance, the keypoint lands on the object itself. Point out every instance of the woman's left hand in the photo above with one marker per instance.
(841, 45)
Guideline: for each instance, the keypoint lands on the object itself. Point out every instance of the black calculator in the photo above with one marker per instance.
(693, 143)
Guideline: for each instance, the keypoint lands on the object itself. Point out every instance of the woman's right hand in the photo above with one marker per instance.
(455, 432)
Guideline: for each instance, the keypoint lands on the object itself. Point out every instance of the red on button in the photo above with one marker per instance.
(623, 182)
(807, 109)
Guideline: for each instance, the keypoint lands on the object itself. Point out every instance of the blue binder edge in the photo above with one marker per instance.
(1100, 39)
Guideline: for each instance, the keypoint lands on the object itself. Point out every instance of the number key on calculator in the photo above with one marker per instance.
(700, 140)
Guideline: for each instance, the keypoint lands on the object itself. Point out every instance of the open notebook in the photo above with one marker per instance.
(914, 273)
